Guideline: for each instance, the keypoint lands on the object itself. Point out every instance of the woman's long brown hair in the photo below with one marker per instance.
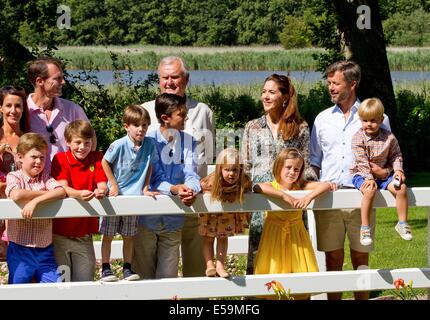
(290, 119)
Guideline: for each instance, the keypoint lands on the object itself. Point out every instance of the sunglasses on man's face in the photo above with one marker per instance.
(52, 137)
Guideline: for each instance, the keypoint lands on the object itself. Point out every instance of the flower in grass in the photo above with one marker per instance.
(404, 292)
(399, 283)
(4, 268)
(278, 289)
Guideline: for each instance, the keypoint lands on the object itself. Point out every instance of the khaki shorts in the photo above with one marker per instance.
(332, 225)
(156, 253)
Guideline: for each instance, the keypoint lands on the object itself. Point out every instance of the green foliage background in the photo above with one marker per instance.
(192, 22)
(203, 22)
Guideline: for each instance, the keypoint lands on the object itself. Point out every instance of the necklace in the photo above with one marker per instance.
(8, 145)
(8, 157)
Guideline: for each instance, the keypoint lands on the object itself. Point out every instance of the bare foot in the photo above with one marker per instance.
(220, 271)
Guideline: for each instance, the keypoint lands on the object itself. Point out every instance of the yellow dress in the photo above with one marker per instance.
(285, 246)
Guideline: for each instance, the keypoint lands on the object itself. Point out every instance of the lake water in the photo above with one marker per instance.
(208, 77)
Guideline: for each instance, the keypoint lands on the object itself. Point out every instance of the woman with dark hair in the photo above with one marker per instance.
(13, 124)
(280, 127)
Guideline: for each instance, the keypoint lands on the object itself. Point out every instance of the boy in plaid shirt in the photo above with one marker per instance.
(30, 253)
(374, 144)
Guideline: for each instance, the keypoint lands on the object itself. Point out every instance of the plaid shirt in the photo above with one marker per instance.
(383, 150)
(30, 232)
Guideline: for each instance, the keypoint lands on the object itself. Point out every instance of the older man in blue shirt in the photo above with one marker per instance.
(159, 236)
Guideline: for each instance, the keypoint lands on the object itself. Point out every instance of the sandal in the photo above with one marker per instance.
(210, 272)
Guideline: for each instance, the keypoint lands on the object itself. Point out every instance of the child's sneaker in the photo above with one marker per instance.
(404, 230)
(108, 276)
(365, 237)
(130, 275)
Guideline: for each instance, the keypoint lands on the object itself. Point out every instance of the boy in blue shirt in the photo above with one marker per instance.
(156, 246)
(128, 166)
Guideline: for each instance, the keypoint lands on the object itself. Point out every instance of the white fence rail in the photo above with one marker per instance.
(251, 285)
(236, 245)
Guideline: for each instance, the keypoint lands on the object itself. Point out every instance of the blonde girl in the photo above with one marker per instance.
(285, 246)
(227, 184)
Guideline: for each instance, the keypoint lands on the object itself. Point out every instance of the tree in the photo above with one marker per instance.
(296, 32)
(368, 48)
(353, 40)
(40, 15)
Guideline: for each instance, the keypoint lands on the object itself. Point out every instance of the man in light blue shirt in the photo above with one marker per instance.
(159, 236)
(331, 157)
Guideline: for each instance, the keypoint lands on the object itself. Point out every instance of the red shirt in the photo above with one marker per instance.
(80, 175)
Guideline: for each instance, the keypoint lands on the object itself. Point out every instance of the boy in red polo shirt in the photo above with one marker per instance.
(80, 172)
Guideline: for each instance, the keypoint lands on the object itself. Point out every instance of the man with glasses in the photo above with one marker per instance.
(50, 114)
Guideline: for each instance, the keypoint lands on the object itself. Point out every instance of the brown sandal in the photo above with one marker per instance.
(211, 272)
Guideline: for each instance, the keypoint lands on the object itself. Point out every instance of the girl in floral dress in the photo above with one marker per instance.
(227, 184)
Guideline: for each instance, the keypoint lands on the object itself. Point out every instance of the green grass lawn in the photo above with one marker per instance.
(391, 251)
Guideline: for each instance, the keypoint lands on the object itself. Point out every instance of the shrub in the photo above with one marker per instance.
(411, 30)
(413, 130)
(104, 105)
(296, 33)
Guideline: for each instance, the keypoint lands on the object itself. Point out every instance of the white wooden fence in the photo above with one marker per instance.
(250, 285)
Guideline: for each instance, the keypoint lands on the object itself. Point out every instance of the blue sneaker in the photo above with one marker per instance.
(130, 275)
(108, 276)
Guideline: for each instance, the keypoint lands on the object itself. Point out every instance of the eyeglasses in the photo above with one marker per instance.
(52, 137)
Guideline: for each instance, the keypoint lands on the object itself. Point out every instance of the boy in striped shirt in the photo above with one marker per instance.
(373, 144)
(30, 253)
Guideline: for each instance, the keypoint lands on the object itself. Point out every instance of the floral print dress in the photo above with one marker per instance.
(259, 150)
(225, 224)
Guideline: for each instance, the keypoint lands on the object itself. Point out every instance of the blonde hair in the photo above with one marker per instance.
(371, 108)
(285, 154)
(30, 141)
(220, 192)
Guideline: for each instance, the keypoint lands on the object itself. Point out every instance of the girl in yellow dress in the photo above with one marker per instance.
(227, 184)
(285, 246)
